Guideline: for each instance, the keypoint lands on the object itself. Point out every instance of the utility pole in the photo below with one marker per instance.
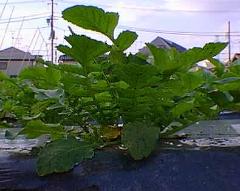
(52, 31)
(217, 40)
(229, 42)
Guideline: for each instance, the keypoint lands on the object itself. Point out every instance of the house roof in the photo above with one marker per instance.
(236, 57)
(13, 53)
(65, 58)
(162, 43)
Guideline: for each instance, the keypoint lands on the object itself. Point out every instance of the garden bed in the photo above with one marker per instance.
(166, 170)
(173, 166)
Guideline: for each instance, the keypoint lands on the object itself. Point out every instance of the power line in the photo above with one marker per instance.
(3, 9)
(27, 16)
(30, 28)
(29, 19)
(190, 33)
(6, 29)
(18, 35)
(23, 2)
(184, 33)
(46, 43)
(40, 48)
(171, 32)
(28, 49)
(159, 9)
(41, 35)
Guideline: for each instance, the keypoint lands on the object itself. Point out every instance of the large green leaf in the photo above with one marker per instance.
(134, 74)
(103, 96)
(36, 128)
(140, 138)
(3, 76)
(71, 68)
(101, 85)
(192, 56)
(221, 98)
(213, 49)
(42, 77)
(71, 80)
(227, 84)
(62, 155)
(120, 85)
(83, 49)
(125, 39)
(164, 59)
(234, 68)
(42, 94)
(191, 80)
(182, 107)
(170, 60)
(92, 18)
(218, 66)
(117, 57)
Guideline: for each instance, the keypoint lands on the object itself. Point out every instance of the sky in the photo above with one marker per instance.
(190, 23)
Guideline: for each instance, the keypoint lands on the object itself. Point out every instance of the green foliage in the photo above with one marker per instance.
(171, 60)
(227, 84)
(125, 39)
(42, 77)
(219, 67)
(195, 55)
(159, 93)
(62, 155)
(92, 18)
(164, 59)
(140, 138)
(225, 89)
(34, 129)
(182, 107)
(84, 49)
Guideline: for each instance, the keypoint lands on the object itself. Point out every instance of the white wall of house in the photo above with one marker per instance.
(15, 67)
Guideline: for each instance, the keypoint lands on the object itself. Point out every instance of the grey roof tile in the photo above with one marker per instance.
(162, 43)
(13, 53)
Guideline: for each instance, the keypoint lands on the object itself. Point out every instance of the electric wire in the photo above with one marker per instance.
(23, 2)
(28, 16)
(173, 32)
(152, 9)
(181, 33)
(46, 43)
(6, 29)
(30, 28)
(30, 19)
(3, 9)
(18, 35)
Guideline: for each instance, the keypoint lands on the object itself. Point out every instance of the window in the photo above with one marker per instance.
(3, 65)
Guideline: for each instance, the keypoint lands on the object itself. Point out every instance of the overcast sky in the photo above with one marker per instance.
(186, 22)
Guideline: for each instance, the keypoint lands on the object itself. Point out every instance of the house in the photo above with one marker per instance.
(13, 60)
(65, 59)
(162, 43)
(236, 57)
